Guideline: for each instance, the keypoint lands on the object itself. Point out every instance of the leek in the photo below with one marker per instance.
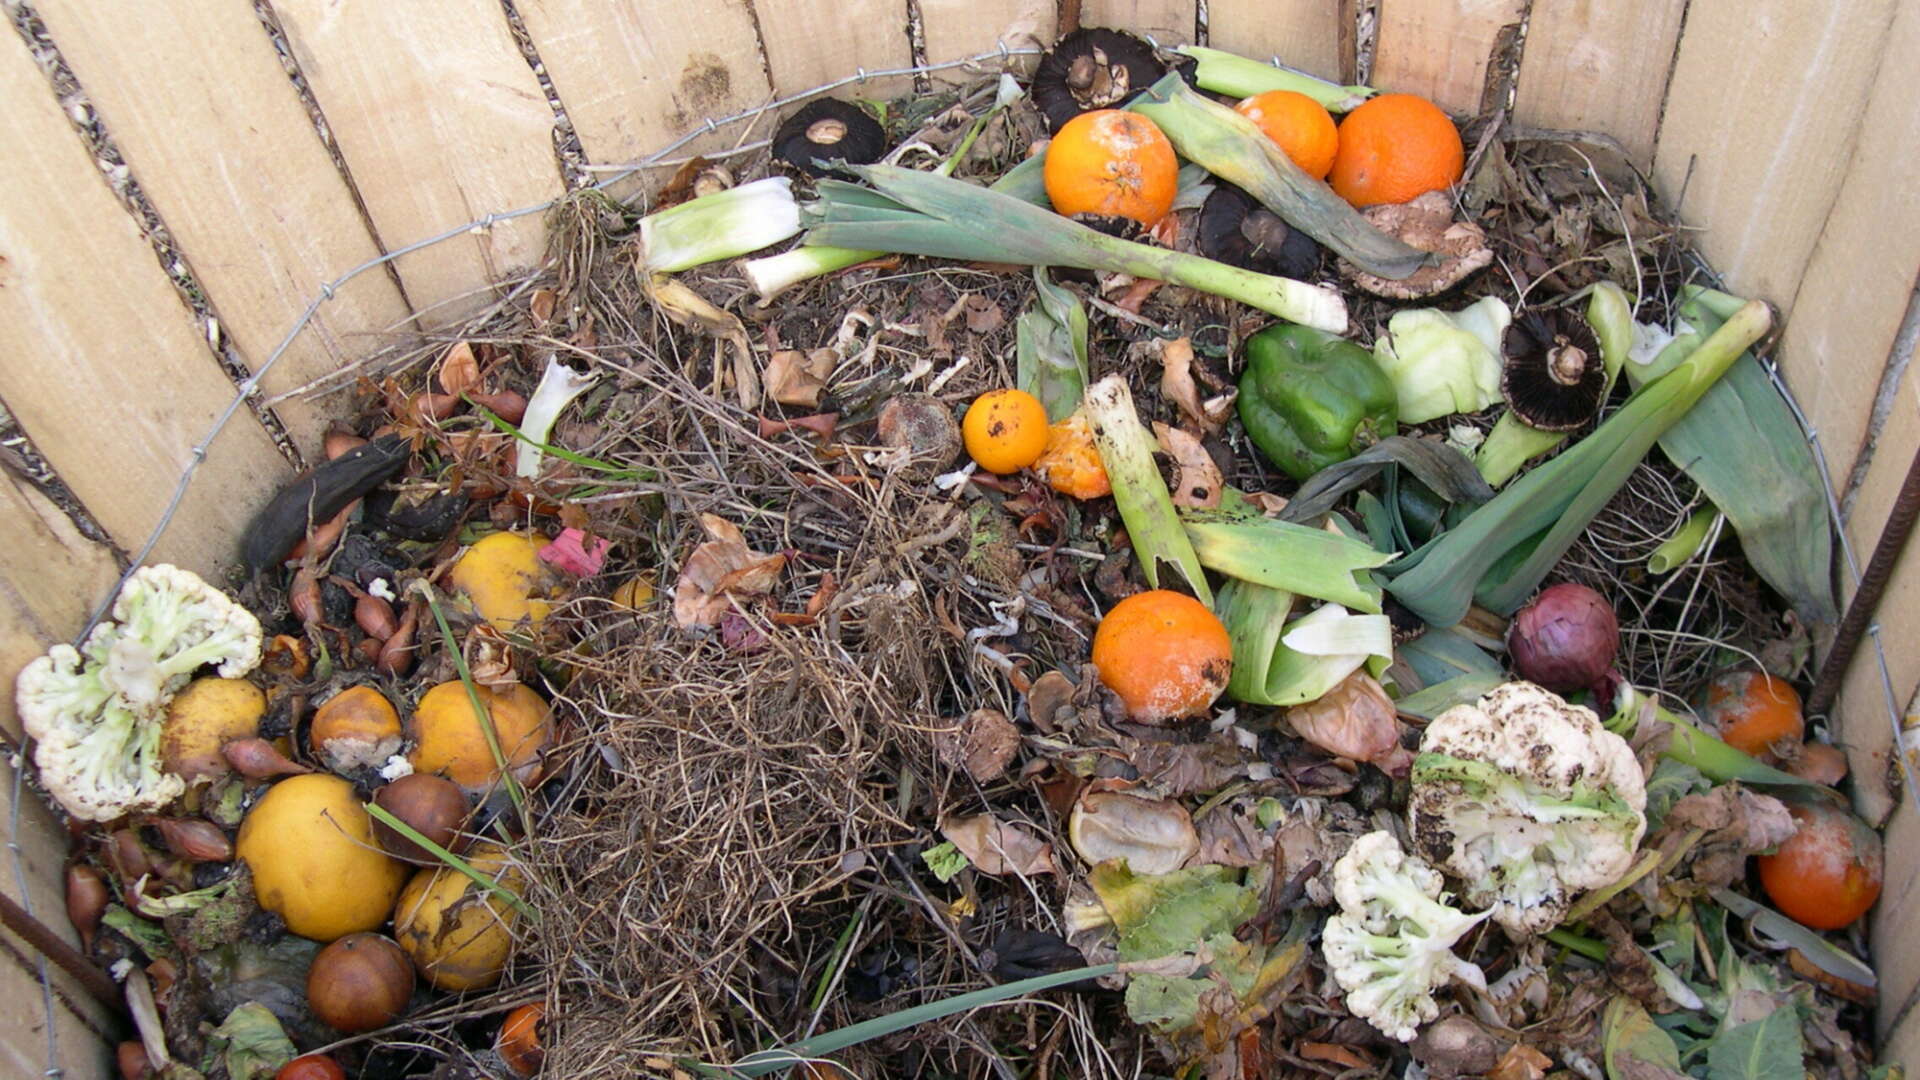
(559, 385)
(916, 213)
(1289, 557)
(1716, 760)
(1535, 520)
(724, 225)
(1281, 663)
(1126, 452)
(1051, 348)
(774, 274)
(1684, 544)
(1430, 701)
(1512, 443)
(1237, 76)
(1233, 148)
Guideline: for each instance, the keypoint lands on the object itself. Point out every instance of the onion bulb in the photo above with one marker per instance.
(1566, 640)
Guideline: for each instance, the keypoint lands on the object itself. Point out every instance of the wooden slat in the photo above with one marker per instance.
(637, 75)
(49, 576)
(956, 29)
(1169, 22)
(230, 159)
(105, 369)
(1438, 48)
(1893, 921)
(1598, 67)
(1304, 34)
(1766, 96)
(813, 42)
(441, 122)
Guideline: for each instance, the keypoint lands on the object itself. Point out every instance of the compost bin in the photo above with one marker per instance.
(210, 213)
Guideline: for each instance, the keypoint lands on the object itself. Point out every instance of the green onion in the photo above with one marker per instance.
(1289, 557)
(1513, 443)
(916, 213)
(1233, 148)
(1531, 524)
(723, 225)
(1126, 452)
(1237, 76)
(1684, 544)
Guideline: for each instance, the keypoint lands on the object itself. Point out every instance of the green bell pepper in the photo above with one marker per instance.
(1310, 399)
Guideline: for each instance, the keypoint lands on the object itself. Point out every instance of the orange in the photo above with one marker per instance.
(1005, 430)
(1752, 710)
(1393, 148)
(1164, 654)
(1113, 163)
(1071, 464)
(1827, 874)
(518, 1043)
(1302, 126)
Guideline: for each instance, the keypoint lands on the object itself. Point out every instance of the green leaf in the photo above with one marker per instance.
(252, 1043)
(1439, 466)
(1459, 690)
(945, 861)
(1671, 780)
(1769, 1048)
(1162, 914)
(1289, 557)
(1051, 348)
(1635, 1048)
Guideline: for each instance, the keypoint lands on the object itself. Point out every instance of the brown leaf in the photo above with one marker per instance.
(996, 847)
(1833, 984)
(1196, 479)
(719, 571)
(490, 658)
(1176, 769)
(983, 745)
(1228, 838)
(542, 306)
(796, 378)
(1344, 1056)
(1177, 386)
(1737, 823)
(983, 315)
(1521, 1062)
(459, 370)
(1356, 719)
(1049, 694)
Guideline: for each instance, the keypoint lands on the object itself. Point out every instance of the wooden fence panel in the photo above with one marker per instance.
(230, 159)
(813, 42)
(105, 369)
(1169, 22)
(956, 29)
(1599, 67)
(637, 75)
(1304, 34)
(1438, 48)
(441, 122)
(1764, 107)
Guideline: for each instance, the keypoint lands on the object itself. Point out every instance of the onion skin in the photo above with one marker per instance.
(359, 983)
(432, 806)
(195, 840)
(87, 898)
(258, 759)
(1566, 640)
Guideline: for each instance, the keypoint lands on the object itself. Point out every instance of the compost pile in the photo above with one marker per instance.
(1237, 597)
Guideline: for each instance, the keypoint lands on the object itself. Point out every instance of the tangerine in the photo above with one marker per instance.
(1005, 430)
(1827, 874)
(518, 1042)
(1164, 654)
(1071, 464)
(1393, 148)
(1112, 163)
(1302, 126)
(1752, 710)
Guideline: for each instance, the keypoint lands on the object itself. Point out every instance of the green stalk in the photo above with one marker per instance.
(1532, 523)
(724, 225)
(1512, 443)
(1255, 616)
(1289, 557)
(1126, 451)
(916, 213)
(774, 274)
(1575, 943)
(1237, 76)
(1684, 544)
(1716, 760)
(480, 710)
(1233, 148)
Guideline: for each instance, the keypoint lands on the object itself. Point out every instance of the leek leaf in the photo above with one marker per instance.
(1051, 348)
(1289, 557)
(1439, 466)
(1153, 526)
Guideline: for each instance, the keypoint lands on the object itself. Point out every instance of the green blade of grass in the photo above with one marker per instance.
(480, 710)
(614, 472)
(379, 813)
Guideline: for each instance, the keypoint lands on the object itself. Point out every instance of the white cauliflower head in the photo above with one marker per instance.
(96, 713)
(1391, 945)
(1529, 801)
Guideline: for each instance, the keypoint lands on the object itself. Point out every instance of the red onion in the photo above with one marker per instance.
(1566, 640)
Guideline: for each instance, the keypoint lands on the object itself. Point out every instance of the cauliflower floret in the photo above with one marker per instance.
(1391, 945)
(1529, 800)
(96, 713)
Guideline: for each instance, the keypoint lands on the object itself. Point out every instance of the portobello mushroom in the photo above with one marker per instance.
(827, 130)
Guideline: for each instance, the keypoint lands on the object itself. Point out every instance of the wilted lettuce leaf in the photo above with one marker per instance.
(252, 1043)
(1765, 1049)
(944, 860)
(1161, 914)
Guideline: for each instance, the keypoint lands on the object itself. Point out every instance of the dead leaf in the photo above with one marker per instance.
(1521, 1062)
(1049, 694)
(542, 306)
(1176, 769)
(1345, 1056)
(1737, 823)
(718, 571)
(1196, 479)
(983, 315)
(796, 378)
(1833, 984)
(459, 370)
(983, 745)
(1228, 838)
(995, 847)
(1177, 386)
(1356, 719)
(1155, 836)
(489, 658)
(687, 308)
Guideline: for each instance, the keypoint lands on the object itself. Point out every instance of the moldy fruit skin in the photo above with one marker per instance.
(1828, 873)
(1005, 430)
(1111, 163)
(1164, 654)
(1752, 710)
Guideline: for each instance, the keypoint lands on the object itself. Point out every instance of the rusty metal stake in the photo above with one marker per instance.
(64, 956)
(1866, 599)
